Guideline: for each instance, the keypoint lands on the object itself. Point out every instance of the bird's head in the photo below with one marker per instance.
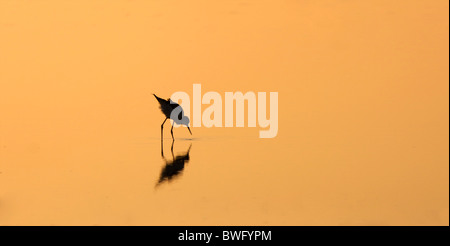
(178, 116)
(185, 121)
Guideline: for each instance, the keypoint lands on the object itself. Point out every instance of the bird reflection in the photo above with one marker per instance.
(173, 168)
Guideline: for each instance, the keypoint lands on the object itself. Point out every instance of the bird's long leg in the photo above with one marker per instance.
(162, 126)
(171, 149)
(162, 149)
(171, 132)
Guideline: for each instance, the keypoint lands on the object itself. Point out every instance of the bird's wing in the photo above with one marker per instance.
(173, 104)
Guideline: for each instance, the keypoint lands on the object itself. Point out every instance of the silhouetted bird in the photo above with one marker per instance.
(173, 168)
(173, 111)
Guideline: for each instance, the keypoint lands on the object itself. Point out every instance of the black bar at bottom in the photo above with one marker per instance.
(225, 235)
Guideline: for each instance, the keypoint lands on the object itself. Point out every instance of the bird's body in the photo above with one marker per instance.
(166, 106)
(173, 111)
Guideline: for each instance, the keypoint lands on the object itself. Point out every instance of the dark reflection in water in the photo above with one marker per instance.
(173, 168)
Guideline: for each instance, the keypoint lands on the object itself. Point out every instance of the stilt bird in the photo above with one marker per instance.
(173, 111)
(172, 169)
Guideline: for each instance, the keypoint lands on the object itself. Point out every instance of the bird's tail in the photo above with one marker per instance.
(160, 100)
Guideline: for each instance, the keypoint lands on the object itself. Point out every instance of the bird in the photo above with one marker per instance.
(173, 111)
(172, 169)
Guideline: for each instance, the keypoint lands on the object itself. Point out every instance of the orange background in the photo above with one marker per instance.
(363, 112)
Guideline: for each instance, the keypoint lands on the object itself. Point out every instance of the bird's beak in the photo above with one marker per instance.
(189, 130)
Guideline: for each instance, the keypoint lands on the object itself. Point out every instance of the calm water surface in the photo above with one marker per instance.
(363, 113)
